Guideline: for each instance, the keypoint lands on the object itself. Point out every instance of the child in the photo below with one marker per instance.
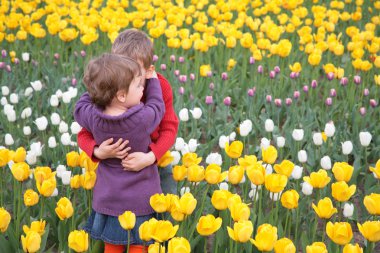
(137, 45)
(112, 109)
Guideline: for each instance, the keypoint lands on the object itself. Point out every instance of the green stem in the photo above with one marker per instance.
(129, 239)
(314, 228)
(42, 207)
(200, 211)
(18, 214)
(286, 221)
(73, 217)
(205, 245)
(1, 187)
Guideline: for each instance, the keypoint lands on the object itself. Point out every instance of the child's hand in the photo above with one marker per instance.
(151, 73)
(107, 150)
(138, 160)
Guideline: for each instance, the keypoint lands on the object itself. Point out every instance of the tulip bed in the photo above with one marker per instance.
(278, 147)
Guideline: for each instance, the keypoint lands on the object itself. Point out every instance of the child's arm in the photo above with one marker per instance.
(84, 109)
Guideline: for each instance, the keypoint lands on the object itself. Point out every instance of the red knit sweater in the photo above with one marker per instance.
(163, 137)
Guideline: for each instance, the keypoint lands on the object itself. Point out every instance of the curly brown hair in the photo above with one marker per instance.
(106, 75)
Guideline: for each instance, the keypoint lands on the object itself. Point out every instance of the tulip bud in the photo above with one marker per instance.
(181, 59)
(357, 80)
(63, 127)
(269, 125)
(296, 94)
(344, 81)
(332, 93)
(317, 139)
(172, 58)
(302, 156)
(347, 147)
(365, 138)
(298, 134)
(292, 75)
(297, 172)
(5, 90)
(330, 129)
(365, 92)
(305, 88)
(272, 74)
(373, 103)
(52, 143)
(260, 69)
(66, 139)
(314, 84)
(13, 98)
(155, 58)
(227, 101)
(176, 72)
(223, 140)
(328, 101)
(250, 93)
(277, 69)
(265, 143)
(224, 76)
(9, 140)
(278, 102)
(307, 189)
(362, 111)
(211, 86)
(269, 98)
(66, 177)
(193, 145)
(8, 68)
(2, 65)
(163, 67)
(196, 112)
(330, 76)
(245, 127)
(348, 210)
(280, 141)
(326, 163)
(251, 60)
(183, 114)
(27, 130)
(209, 100)
(288, 101)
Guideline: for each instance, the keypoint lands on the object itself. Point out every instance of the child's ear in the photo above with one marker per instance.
(121, 96)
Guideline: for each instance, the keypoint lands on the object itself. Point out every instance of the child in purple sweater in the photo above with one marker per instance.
(112, 109)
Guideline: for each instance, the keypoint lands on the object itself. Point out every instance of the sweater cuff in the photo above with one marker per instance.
(156, 151)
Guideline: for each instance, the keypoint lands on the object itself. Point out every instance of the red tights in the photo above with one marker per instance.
(112, 248)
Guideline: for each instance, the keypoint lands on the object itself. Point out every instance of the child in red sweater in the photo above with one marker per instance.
(137, 45)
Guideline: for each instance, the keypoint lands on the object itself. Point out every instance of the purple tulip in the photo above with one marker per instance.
(272, 74)
(176, 72)
(211, 86)
(344, 81)
(251, 60)
(288, 101)
(260, 69)
(209, 74)
(357, 79)
(328, 101)
(297, 74)
(172, 58)
(227, 101)
(332, 93)
(8, 68)
(292, 75)
(163, 67)
(366, 92)
(3, 53)
(183, 78)
(277, 69)
(192, 76)
(330, 76)
(181, 59)
(83, 53)
(224, 76)
(278, 102)
(181, 90)
(155, 58)
(74, 82)
(56, 56)
(17, 61)
(269, 98)
(296, 94)
(314, 84)
(362, 111)
(373, 103)
(305, 88)
(209, 100)
(251, 92)
(2, 64)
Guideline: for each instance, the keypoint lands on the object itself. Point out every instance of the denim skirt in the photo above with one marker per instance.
(107, 229)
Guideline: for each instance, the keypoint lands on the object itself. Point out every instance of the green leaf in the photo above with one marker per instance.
(5, 245)
(44, 238)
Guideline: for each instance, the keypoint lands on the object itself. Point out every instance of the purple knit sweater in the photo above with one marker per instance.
(116, 190)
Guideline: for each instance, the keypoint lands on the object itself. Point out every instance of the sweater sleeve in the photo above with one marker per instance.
(168, 128)
(83, 112)
(87, 143)
(154, 107)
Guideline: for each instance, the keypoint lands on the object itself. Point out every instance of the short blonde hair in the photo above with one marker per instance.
(106, 75)
(134, 44)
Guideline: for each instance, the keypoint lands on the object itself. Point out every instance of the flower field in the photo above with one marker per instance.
(278, 147)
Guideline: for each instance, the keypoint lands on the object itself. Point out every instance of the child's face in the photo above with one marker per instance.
(135, 92)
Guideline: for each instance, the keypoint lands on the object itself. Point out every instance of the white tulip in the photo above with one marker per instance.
(25, 56)
(75, 128)
(269, 125)
(37, 85)
(66, 139)
(365, 138)
(245, 127)
(326, 162)
(27, 130)
(28, 91)
(13, 98)
(8, 108)
(297, 172)
(179, 144)
(348, 210)
(66, 97)
(73, 144)
(52, 143)
(41, 123)
(36, 147)
(60, 169)
(317, 139)
(214, 158)
(183, 115)
(232, 136)
(9, 140)
(55, 193)
(193, 145)
(26, 113)
(223, 186)
(280, 141)
(63, 127)
(275, 196)
(55, 119)
(4, 101)
(223, 140)
(5, 90)
(11, 115)
(66, 177)
(298, 134)
(196, 112)
(268, 169)
(59, 93)
(184, 190)
(264, 143)
(307, 189)
(54, 101)
(185, 149)
(177, 157)
(330, 129)
(302, 156)
(347, 147)
(73, 92)
(31, 157)
(252, 193)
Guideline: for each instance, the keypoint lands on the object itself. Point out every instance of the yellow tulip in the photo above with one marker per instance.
(127, 220)
(377, 78)
(20, 171)
(265, 238)
(68, 34)
(371, 203)
(230, 64)
(239, 211)
(230, 42)
(248, 160)
(47, 187)
(284, 168)
(179, 173)
(30, 197)
(256, 173)
(241, 232)
(189, 159)
(296, 67)
(208, 225)
(235, 174)
(64, 208)
(165, 160)
(163, 230)
(339, 232)
(156, 248)
(284, 245)
(269, 154)
(214, 175)
(75, 182)
(4, 157)
(78, 240)
(351, 248)
(376, 169)
(325, 208)
(234, 150)
(31, 243)
(20, 155)
(86, 162)
(289, 199)
(341, 191)
(146, 228)
(220, 198)
(5, 219)
(36, 226)
(316, 247)
(342, 171)
(204, 70)
(160, 203)
(275, 182)
(370, 230)
(179, 244)
(72, 159)
(187, 203)
(175, 209)
(195, 173)
(42, 173)
(88, 180)
(314, 59)
(318, 179)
